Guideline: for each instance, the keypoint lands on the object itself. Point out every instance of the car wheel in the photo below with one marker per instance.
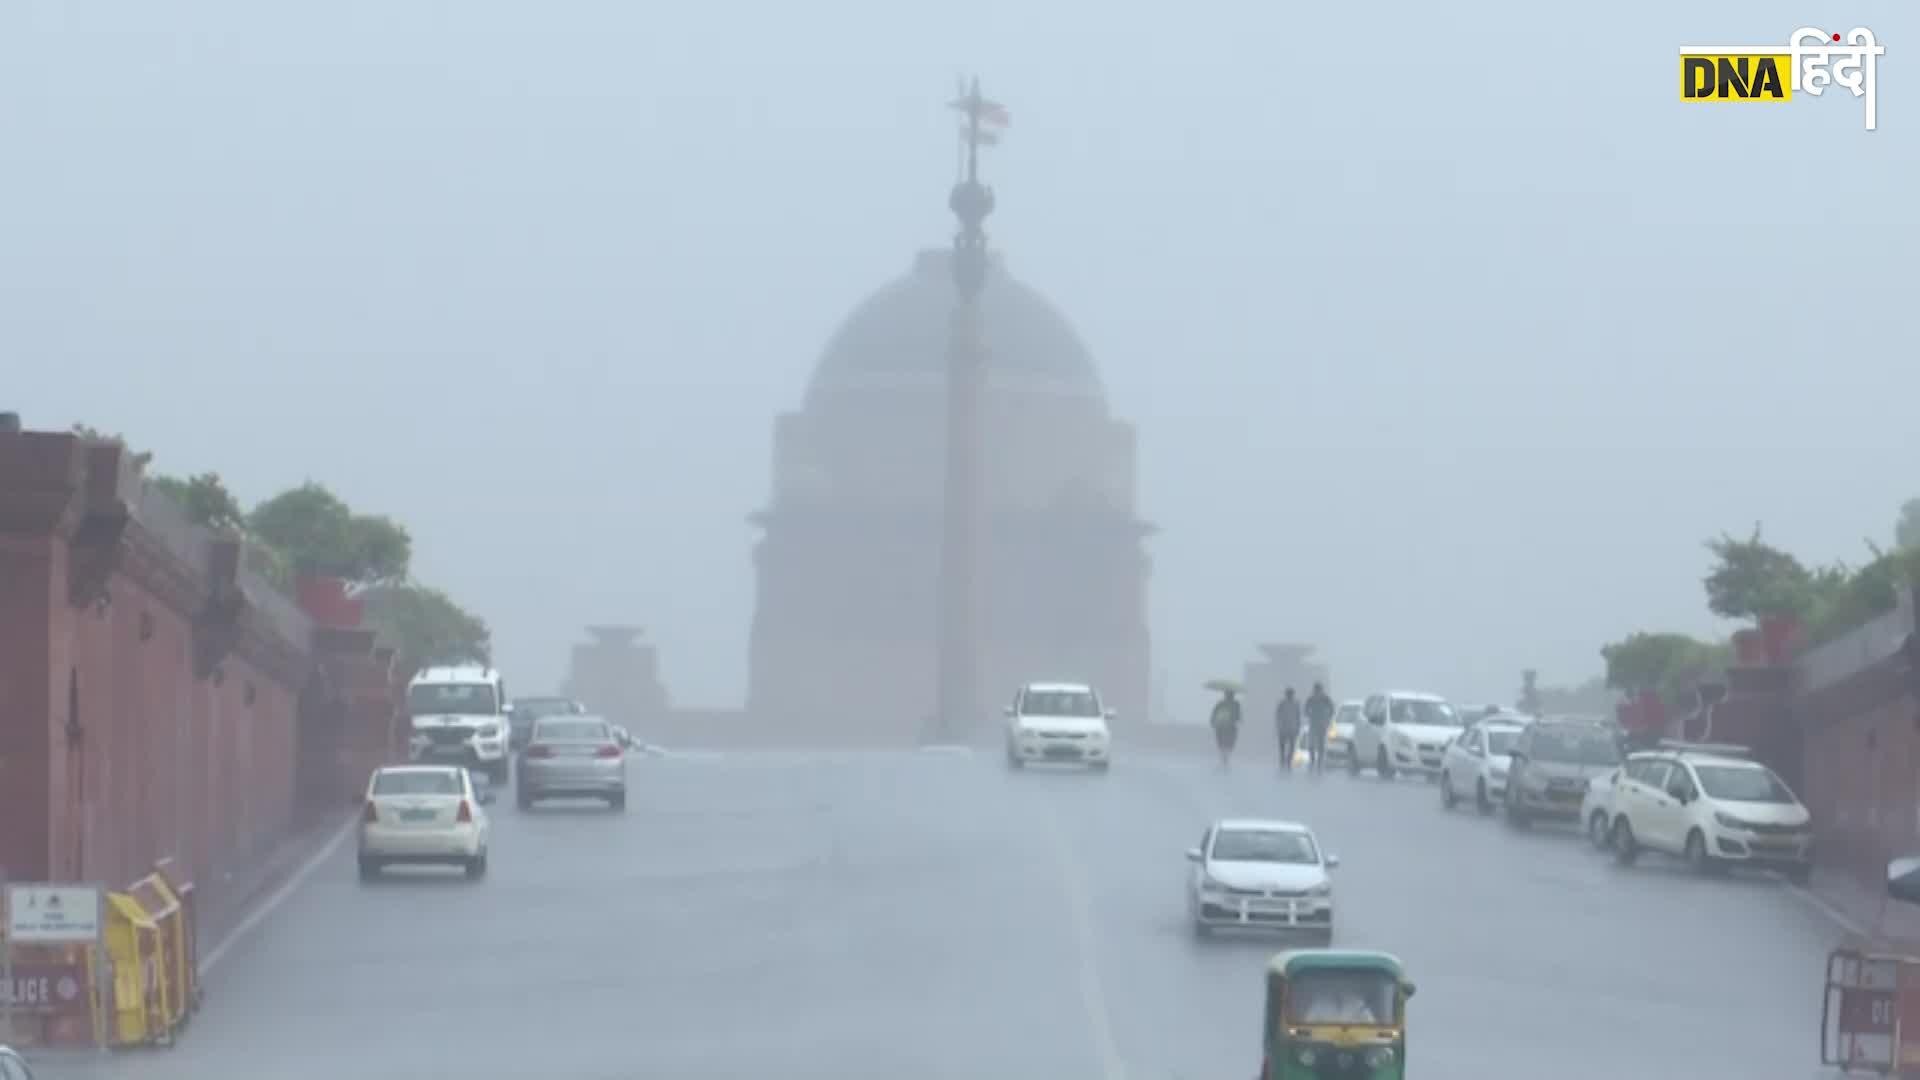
(1697, 857)
(369, 868)
(1382, 764)
(501, 774)
(1325, 938)
(1013, 760)
(1353, 763)
(617, 801)
(1597, 830)
(477, 867)
(523, 799)
(1625, 848)
(1481, 799)
(1447, 797)
(1201, 930)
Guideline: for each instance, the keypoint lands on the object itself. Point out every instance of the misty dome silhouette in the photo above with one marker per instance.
(899, 334)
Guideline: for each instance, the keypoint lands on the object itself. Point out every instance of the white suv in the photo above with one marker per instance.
(1058, 722)
(1711, 808)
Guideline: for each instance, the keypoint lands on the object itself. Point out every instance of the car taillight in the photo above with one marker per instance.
(607, 751)
(465, 816)
(539, 751)
(369, 816)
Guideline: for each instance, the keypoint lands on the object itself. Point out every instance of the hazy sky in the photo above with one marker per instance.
(1449, 330)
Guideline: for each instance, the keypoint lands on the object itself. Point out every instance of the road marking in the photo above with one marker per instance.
(1825, 907)
(279, 896)
(1093, 996)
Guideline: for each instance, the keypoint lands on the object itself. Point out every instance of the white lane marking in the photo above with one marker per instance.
(1093, 996)
(1825, 907)
(266, 907)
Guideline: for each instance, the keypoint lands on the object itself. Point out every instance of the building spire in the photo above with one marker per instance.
(981, 123)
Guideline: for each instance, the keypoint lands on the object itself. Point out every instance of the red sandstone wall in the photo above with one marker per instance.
(155, 701)
(1862, 761)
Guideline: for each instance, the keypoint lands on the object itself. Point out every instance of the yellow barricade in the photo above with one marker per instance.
(140, 984)
(157, 900)
(184, 894)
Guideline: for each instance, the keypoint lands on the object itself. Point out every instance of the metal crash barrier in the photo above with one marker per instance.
(136, 984)
(1870, 1013)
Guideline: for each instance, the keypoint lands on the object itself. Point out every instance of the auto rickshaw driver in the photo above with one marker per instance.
(1335, 1012)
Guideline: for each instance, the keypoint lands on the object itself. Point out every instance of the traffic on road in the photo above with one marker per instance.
(944, 915)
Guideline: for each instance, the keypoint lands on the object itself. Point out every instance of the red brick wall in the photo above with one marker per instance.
(1862, 760)
(152, 694)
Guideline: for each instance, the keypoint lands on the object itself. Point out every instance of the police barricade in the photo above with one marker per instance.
(48, 996)
(159, 905)
(1871, 1005)
(136, 949)
(186, 896)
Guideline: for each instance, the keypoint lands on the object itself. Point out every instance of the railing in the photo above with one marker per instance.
(1860, 648)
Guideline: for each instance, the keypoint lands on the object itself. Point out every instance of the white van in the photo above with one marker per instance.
(1403, 731)
(458, 716)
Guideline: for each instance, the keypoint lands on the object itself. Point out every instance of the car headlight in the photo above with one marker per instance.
(1306, 1056)
(1378, 1057)
(1325, 888)
(1728, 820)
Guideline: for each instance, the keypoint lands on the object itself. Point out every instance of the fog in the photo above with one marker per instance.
(1448, 334)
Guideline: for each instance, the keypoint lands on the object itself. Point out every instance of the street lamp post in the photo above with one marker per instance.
(959, 700)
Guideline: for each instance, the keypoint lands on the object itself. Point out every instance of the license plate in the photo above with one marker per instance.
(414, 816)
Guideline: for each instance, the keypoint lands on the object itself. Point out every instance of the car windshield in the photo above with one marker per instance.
(1430, 713)
(1078, 703)
(417, 782)
(1264, 845)
(1501, 740)
(1342, 997)
(582, 730)
(465, 699)
(1575, 746)
(1743, 783)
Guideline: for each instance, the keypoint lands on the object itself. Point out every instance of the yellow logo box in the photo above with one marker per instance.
(1736, 77)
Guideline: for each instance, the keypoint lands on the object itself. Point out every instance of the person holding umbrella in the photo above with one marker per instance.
(1225, 719)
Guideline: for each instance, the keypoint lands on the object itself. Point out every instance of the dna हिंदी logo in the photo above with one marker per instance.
(1811, 61)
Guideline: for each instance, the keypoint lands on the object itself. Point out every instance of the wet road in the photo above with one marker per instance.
(933, 916)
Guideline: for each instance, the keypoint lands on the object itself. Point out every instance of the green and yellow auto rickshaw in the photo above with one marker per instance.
(1335, 1013)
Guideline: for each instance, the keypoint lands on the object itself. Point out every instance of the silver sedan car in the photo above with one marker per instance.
(578, 757)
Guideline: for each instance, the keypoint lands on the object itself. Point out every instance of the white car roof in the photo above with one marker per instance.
(418, 769)
(1058, 688)
(459, 673)
(1414, 695)
(1260, 825)
(1353, 703)
(1501, 723)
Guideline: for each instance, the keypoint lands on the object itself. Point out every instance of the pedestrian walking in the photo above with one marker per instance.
(1226, 725)
(1319, 710)
(1286, 723)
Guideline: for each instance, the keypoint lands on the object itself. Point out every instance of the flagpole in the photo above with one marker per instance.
(960, 668)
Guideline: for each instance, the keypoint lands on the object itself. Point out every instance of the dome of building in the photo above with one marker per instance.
(900, 333)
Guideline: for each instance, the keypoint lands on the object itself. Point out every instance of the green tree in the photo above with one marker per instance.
(1663, 663)
(1752, 579)
(320, 534)
(1906, 532)
(205, 499)
(425, 626)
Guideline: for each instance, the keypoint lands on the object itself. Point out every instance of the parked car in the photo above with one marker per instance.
(13, 1066)
(1713, 809)
(1553, 761)
(1340, 731)
(1403, 730)
(1475, 765)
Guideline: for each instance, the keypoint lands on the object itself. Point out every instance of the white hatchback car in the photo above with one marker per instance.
(1403, 731)
(424, 814)
(1475, 765)
(1058, 722)
(1250, 874)
(1712, 809)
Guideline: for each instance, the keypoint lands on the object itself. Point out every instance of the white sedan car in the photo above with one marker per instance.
(1251, 874)
(424, 814)
(1475, 765)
